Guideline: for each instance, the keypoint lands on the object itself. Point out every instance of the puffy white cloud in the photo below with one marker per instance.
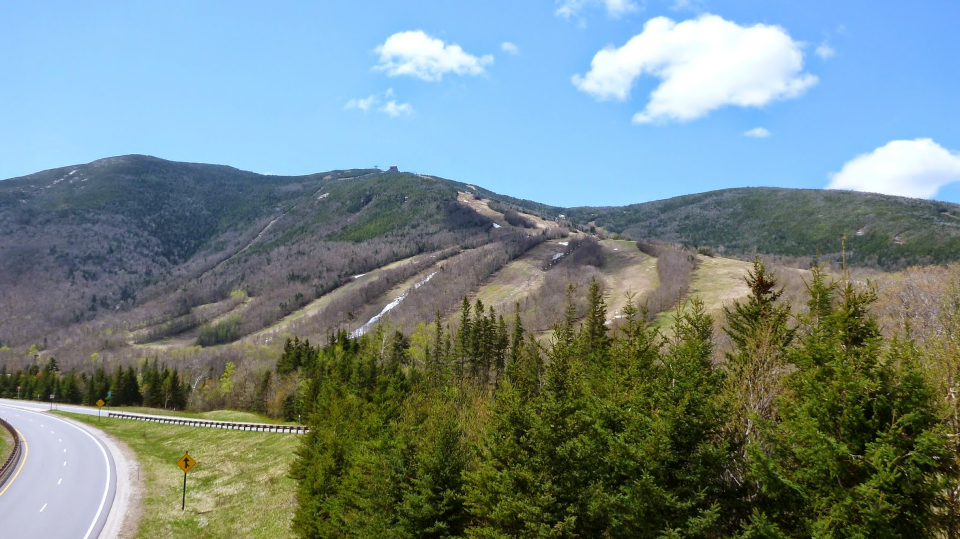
(757, 132)
(910, 168)
(615, 8)
(417, 54)
(363, 104)
(509, 48)
(703, 64)
(825, 51)
(395, 109)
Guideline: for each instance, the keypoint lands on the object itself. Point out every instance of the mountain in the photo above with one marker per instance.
(881, 231)
(136, 256)
(135, 231)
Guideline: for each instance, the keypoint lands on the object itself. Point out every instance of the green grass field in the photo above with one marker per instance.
(239, 487)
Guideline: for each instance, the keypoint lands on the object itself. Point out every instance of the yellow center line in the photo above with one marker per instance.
(26, 451)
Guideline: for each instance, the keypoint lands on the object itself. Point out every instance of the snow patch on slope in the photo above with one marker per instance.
(389, 307)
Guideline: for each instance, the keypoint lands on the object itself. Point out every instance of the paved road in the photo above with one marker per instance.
(41, 406)
(65, 484)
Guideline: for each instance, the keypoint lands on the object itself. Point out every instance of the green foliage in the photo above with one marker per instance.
(627, 433)
(222, 332)
(152, 386)
(859, 450)
(882, 231)
(758, 329)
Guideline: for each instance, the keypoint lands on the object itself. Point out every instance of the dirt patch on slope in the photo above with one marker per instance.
(626, 269)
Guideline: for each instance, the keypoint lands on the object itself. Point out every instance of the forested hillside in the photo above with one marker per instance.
(882, 231)
(132, 259)
(149, 241)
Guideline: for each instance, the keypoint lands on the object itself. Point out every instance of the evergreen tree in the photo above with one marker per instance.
(516, 341)
(595, 326)
(118, 388)
(132, 397)
(859, 451)
(464, 341)
(758, 328)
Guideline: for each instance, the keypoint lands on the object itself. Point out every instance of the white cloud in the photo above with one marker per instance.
(390, 108)
(615, 8)
(703, 64)
(395, 109)
(417, 54)
(757, 132)
(509, 48)
(910, 168)
(825, 51)
(362, 104)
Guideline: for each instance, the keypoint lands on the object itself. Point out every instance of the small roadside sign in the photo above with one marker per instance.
(186, 463)
(100, 403)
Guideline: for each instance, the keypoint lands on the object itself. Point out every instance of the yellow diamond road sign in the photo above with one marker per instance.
(100, 403)
(186, 463)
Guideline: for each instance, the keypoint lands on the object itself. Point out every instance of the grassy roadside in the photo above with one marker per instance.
(216, 415)
(6, 445)
(239, 487)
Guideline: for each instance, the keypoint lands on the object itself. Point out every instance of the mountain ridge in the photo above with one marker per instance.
(137, 245)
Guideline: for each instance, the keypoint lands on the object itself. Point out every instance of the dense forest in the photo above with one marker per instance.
(152, 385)
(883, 231)
(804, 424)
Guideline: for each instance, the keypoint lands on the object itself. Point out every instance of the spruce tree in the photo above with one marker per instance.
(759, 331)
(595, 326)
(858, 451)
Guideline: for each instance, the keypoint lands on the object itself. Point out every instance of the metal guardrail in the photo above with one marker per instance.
(14, 457)
(252, 427)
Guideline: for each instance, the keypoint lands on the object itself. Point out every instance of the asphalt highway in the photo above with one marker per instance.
(41, 406)
(65, 482)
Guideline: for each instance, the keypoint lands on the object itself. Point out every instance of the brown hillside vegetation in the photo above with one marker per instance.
(129, 260)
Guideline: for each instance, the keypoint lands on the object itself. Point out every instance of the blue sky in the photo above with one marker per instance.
(295, 88)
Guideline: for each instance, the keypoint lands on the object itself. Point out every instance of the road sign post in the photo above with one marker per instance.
(100, 404)
(186, 463)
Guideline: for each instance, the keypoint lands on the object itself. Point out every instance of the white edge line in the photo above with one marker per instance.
(106, 460)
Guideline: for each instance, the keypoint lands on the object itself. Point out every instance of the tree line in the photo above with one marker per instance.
(157, 386)
(809, 424)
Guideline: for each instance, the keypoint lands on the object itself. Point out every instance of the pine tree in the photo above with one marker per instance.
(516, 342)
(858, 452)
(595, 326)
(758, 328)
(464, 340)
(118, 388)
(131, 386)
(500, 352)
